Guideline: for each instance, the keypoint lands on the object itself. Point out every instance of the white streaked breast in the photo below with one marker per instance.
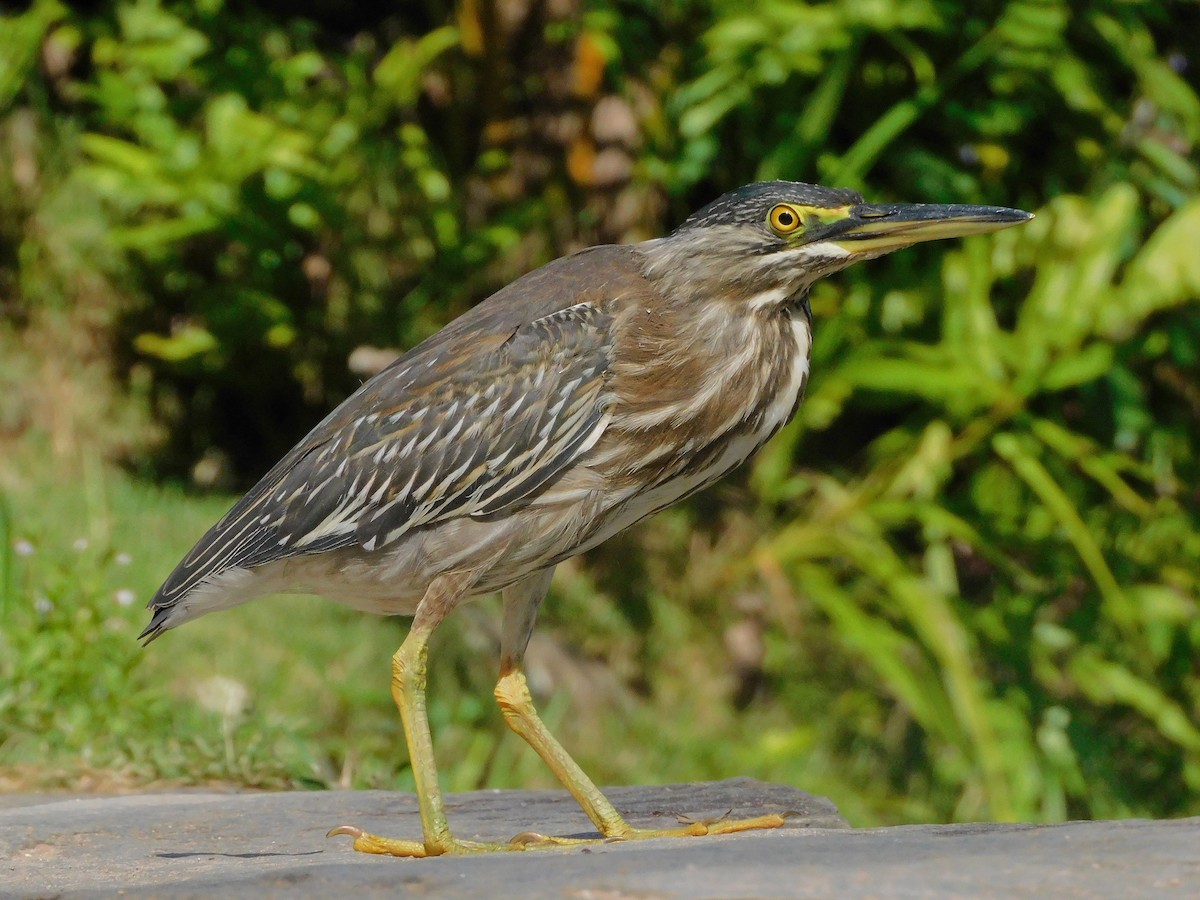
(637, 505)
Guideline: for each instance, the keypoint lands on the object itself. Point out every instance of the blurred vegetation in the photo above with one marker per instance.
(963, 584)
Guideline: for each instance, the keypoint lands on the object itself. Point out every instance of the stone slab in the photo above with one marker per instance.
(194, 844)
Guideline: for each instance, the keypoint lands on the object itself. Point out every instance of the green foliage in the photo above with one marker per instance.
(967, 572)
(900, 84)
(73, 698)
(273, 196)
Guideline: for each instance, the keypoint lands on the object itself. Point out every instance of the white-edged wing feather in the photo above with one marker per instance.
(467, 427)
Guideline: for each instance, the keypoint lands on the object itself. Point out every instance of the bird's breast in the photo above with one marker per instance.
(688, 416)
(790, 376)
(781, 374)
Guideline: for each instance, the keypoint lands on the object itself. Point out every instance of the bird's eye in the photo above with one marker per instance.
(783, 219)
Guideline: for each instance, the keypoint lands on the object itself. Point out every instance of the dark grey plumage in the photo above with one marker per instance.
(748, 205)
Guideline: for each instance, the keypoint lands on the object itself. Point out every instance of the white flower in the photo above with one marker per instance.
(124, 597)
(23, 547)
(123, 559)
(80, 545)
(223, 695)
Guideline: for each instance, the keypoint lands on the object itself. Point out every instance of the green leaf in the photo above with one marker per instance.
(1073, 369)
(1117, 606)
(20, 40)
(1108, 682)
(185, 344)
(400, 71)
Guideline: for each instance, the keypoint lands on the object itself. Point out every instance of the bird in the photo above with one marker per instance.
(583, 397)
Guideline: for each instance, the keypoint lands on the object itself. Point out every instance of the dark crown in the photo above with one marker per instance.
(749, 205)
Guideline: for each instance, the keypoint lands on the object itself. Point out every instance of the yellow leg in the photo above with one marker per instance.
(521, 602)
(408, 690)
(512, 693)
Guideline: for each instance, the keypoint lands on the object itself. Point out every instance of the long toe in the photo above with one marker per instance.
(731, 826)
(700, 828)
(529, 840)
(365, 842)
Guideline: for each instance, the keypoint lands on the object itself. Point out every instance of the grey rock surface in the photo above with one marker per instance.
(212, 844)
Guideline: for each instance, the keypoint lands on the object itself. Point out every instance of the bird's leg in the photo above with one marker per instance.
(408, 690)
(521, 602)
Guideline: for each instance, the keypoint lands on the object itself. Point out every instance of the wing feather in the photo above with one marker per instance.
(470, 430)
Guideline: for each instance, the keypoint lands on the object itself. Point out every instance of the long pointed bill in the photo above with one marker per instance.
(875, 229)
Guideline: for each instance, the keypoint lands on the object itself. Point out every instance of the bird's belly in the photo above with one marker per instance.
(642, 503)
(392, 580)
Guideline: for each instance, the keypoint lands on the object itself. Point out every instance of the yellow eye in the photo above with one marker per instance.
(783, 218)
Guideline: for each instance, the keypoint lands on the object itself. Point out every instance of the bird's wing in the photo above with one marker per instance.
(467, 426)
(468, 446)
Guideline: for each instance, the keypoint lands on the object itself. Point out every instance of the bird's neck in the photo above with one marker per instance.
(703, 282)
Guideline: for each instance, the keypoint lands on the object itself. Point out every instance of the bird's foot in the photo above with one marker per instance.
(365, 842)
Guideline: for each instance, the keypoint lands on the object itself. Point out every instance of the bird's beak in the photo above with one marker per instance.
(880, 228)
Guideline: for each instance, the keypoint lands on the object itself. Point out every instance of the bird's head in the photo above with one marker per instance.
(766, 243)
